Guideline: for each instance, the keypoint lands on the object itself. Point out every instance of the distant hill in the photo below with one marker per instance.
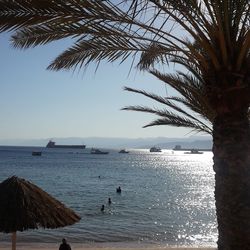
(204, 142)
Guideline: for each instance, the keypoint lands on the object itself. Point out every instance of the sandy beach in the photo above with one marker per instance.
(83, 248)
(90, 248)
(77, 246)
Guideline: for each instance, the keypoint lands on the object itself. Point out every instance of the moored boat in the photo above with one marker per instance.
(123, 151)
(194, 151)
(36, 153)
(180, 148)
(98, 151)
(155, 149)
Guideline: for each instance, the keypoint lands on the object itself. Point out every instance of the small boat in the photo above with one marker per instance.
(194, 151)
(36, 153)
(155, 149)
(123, 151)
(98, 152)
(180, 148)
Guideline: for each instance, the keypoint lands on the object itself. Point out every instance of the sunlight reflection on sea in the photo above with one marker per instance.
(167, 198)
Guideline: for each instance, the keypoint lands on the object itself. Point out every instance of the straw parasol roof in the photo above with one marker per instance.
(26, 206)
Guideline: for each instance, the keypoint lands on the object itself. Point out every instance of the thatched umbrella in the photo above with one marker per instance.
(24, 206)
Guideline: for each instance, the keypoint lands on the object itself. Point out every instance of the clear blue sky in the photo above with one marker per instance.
(37, 103)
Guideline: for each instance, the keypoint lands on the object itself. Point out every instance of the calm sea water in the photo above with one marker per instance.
(167, 198)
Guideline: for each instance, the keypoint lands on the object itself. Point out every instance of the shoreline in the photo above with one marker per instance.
(101, 246)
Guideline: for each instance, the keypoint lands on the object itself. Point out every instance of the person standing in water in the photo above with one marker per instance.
(109, 201)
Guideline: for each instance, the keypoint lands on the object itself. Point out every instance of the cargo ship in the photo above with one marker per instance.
(52, 144)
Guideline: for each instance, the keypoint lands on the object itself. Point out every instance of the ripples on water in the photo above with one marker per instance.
(167, 198)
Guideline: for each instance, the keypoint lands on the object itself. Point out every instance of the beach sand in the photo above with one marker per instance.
(83, 248)
(53, 246)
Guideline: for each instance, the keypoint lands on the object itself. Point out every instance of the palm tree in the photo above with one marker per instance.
(210, 39)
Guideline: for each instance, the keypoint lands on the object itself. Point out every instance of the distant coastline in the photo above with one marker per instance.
(201, 142)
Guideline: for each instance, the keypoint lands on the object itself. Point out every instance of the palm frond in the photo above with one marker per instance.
(95, 50)
(103, 18)
(202, 109)
(169, 118)
(155, 53)
(176, 81)
(176, 109)
(19, 14)
(164, 101)
(87, 20)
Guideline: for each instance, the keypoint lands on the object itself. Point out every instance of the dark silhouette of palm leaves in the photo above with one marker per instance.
(174, 112)
(118, 29)
(205, 37)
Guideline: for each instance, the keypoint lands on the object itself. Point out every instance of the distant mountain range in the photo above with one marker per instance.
(204, 142)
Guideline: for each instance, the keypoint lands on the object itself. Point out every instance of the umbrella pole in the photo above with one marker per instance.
(13, 241)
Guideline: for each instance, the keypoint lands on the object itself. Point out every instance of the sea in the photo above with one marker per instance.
(167, 198)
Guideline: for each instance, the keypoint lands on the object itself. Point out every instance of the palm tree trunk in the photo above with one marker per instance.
(231, 148)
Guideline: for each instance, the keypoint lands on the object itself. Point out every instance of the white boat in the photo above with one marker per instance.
(194, 151)
(123, 151)
(98, 151)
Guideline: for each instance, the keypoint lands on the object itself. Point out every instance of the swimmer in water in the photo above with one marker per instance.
(102, 208)
(118, 190)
